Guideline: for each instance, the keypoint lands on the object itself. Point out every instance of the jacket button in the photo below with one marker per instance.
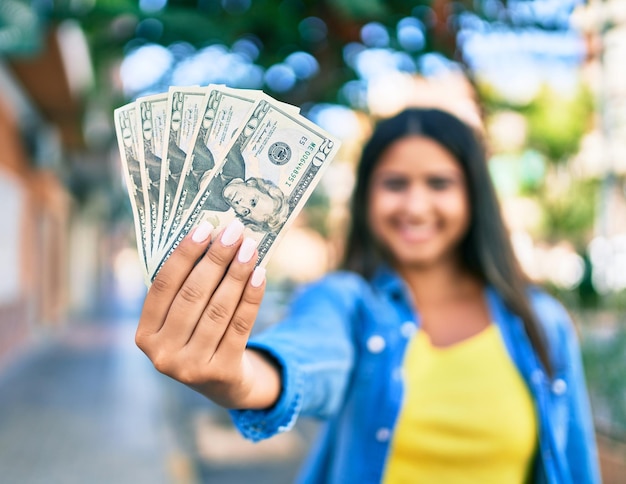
(408, 329)
(536, 376)
(375, 344)
(383, 434)
(559, 386)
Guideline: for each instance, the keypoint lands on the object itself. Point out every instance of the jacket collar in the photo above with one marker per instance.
(387, 279)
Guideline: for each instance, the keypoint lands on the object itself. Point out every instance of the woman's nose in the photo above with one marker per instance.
(417, 200)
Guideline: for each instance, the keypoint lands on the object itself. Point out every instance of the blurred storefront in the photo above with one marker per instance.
(40, 121)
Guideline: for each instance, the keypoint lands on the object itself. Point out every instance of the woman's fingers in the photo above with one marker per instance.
(222, 311)
(170, 279)
(193, 296)
(238, 332)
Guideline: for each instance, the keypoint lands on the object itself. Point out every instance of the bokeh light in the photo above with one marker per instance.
(236, 7)
(151, 6)
(150, 29)
(313, 30)
(280, 77)
(410, 34)
(374, 34)
(303, 64)
(144, 67)
(338, 120)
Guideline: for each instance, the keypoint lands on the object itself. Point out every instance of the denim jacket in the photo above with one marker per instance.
(341, 350)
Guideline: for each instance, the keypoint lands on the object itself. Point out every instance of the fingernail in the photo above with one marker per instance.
(246, 251)
(232, 232)
(202, 232)
(258, 276)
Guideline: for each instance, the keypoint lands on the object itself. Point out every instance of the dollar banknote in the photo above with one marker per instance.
(225, 112)
(153, 120)
(126, 127)
(268, 171)
(184, 109)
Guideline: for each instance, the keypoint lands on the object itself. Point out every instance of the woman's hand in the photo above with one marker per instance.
(197, 318)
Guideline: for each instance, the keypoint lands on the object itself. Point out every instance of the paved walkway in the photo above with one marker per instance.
(86, 406)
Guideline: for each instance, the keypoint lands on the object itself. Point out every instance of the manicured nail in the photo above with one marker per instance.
(246, 251)
(258, 276)
(202, 232)
(232, 232)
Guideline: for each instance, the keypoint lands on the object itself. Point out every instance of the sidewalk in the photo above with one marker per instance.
(86, 406)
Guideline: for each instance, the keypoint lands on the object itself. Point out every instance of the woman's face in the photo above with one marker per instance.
(249, 202)
(418, 206)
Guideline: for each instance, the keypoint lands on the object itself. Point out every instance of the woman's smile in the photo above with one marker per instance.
(416, 233)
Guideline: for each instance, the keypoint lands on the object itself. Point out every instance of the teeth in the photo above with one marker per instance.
(417, 231)
(417, 228)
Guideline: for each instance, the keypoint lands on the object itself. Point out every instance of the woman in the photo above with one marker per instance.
(430, 357)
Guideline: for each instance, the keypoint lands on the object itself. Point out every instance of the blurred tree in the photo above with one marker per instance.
(20, 29)
(278, 28)
(569, 214)
(557, 122)
(322, 28)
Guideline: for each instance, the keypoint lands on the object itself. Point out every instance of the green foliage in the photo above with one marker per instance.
(570, 213)
(556, 122)
(605, 367)
(362, 8)
(115, 26)
(555, 126)
(20, 29)
(518, 173)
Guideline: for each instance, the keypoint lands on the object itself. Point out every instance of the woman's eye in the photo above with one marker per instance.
(439, 183)
(394, 184)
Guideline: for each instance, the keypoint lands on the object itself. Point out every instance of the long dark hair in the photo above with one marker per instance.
(485, 250)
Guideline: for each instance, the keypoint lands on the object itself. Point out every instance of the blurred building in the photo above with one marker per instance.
(40, 121)
(603, 150)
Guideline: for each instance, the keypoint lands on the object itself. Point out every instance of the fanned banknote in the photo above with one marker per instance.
(215, 153)
(152, 112)
(268, 173)
(184, 110)
(126, 125)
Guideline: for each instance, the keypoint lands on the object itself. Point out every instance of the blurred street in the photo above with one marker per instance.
(85, 405)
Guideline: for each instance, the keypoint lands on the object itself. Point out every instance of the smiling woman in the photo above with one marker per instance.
(415, 355)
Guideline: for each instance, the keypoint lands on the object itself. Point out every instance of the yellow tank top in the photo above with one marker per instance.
(467, 415)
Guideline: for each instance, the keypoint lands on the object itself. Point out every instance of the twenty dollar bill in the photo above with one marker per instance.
(267, 174)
